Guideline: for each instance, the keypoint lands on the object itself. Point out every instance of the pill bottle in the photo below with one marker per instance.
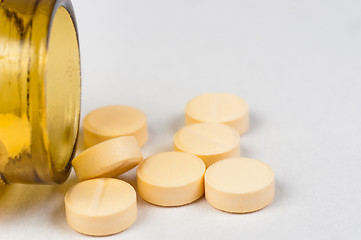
(39, 90)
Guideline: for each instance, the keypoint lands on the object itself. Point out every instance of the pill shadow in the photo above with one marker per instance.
(58, 217)
(147, 149)
(177, 122)
(280, 194)
(130, 177)
(143, 211)
(255, 121)
(245, 151)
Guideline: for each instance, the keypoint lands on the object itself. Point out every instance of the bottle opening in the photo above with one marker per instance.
(62, 92)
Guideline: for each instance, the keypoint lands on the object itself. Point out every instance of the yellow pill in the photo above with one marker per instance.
(100, 207)
(108, 159)
(223, 108)
(115, 121)
(209, 141)
(239, 185)
(171, 178)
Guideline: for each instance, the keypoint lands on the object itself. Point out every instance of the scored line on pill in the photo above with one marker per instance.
(98, 196)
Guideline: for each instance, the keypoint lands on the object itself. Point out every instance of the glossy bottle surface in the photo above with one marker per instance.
(39, 90)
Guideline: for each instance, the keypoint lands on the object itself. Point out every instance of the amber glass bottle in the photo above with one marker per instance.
(39, 90)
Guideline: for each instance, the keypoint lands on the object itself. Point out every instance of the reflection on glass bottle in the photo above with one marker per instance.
(39, 90)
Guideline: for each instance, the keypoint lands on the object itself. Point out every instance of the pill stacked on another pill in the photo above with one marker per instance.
(205, 161)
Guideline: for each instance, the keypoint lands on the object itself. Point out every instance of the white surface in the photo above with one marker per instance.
(297, 63)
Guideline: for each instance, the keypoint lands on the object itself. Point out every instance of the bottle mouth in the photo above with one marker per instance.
(62, 93)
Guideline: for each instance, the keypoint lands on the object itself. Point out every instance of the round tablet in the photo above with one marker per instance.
(100, 207)
(108, 159)
(223, 108)
(239, 185)
(114, 121)
(171, 178)
(209, 141)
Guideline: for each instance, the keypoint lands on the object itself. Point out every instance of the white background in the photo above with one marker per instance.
(297, 63)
